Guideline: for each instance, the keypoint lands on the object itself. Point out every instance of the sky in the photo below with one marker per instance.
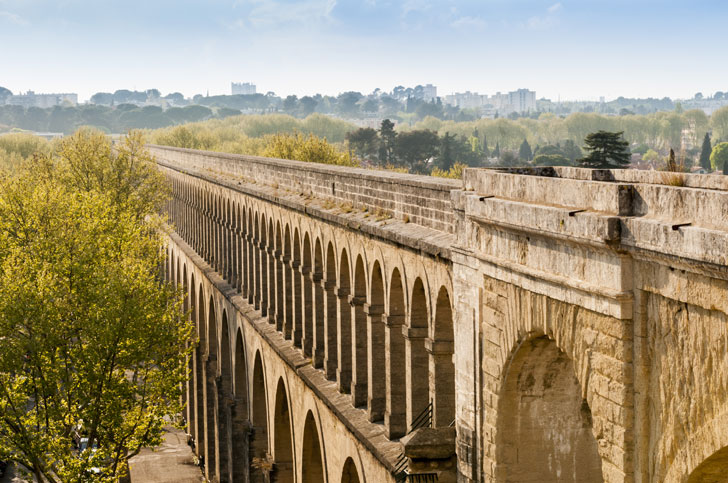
(567, 49)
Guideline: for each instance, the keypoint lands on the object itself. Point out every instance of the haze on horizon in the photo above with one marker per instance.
(570, 49)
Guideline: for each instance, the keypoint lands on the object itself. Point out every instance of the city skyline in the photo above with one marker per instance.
(561, 49)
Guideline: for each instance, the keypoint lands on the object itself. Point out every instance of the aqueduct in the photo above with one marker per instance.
(554, 325)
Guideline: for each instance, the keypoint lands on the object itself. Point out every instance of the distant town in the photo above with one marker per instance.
(518, 103)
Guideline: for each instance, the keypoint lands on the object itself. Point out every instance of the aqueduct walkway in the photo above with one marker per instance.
(552, 325)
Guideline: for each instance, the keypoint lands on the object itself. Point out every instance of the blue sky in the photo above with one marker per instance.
(575, 49)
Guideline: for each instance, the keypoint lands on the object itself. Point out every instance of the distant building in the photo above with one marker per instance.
(522, 100)
(242, 88)
(31, 99)
(466, 100)
(429, 92)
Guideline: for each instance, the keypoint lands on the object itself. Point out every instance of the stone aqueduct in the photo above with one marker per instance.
(553, 325)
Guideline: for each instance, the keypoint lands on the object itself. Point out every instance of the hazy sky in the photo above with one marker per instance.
(577, 49)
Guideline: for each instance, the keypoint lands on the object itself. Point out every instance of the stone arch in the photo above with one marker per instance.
(359, 336)
(417, 330)
(712, 470)
(331, 306)
(288, 271)
(225, 398)
(375, 356)
(259, 440)
(312, 463)
(262, 287)
(395, 417)
(318, 305)
(274, 242)
(297, 290)
(442, 370)
(344, 330)
(544, 428)
(350, 474)
(201, 372)
(211, 396)
(282, 437)
(240, 424)
(308, 316)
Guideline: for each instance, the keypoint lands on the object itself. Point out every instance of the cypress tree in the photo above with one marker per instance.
(705, 153)
(496, 152)
(524, 152)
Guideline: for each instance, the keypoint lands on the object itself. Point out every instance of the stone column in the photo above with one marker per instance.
(318, 321)
(262, 287)
(359, 345)
(331, 303)
(273, 255)
(375, 360)
(395, 416)
(343, 344)
(287, 302)
(296, 304)
(418, 391)
(210, 392)
(307, 314)
(225, 459)
(249, 275)
(442, 381)
(279, 288)
(199, 398)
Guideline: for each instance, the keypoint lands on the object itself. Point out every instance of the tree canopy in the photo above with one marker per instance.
(93, 343)
(605, 150)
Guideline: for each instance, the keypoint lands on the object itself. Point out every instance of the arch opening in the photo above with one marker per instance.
(395, 417)
(312, 467)
(442, 369)
(350, 473)
(418, 394)
(544, 429)
(259, 440)
(283, 439)
(359, 337)
(240, 424)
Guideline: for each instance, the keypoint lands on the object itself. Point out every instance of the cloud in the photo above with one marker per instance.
(13, 18)
(275, 13)
(554, 8)
(541, 22)
(466, 22)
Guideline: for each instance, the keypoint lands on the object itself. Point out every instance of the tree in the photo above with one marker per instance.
(290, 103)
(364, 142)
(308, 104)
(719, 157)
(415, 148)
(606, 150)
(103, 98)
(496, 151)
(387, 136)
(4, 94)
(309, 148)
(524, 152)
(571, 150)
(445, 159)
(551, 160)
(705, 152)
(93, 344)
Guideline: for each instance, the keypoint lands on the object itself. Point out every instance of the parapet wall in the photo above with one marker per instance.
(422, 200)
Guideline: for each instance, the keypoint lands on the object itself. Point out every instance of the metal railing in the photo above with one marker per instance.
(423, 420)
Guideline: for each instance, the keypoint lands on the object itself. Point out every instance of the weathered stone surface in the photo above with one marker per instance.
(572, 324)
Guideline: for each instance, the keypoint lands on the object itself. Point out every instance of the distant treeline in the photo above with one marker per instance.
(118, 119)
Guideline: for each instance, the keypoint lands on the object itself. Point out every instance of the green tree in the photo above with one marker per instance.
(719, 157)
(4, 94)
(364, 142)
(571, 151)
(445, 159)
(387, 136)
(705, 152)
(415, 148)
(719, 123)
(497, 151)
(551, 160)
(93, 344)
(524, 152)
(606, 150)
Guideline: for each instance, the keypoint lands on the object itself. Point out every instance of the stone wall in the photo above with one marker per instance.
(421, 200)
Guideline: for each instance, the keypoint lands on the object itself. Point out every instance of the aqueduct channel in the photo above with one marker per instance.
(555, 324)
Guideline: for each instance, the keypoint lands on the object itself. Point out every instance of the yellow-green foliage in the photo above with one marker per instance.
(305, 148)
(17, 147)
(456, 172)
(252, 135)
